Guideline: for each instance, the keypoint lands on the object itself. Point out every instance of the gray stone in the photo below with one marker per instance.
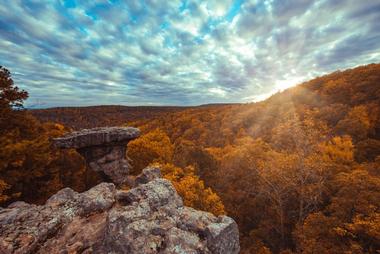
(148, 174)
(149, 218)
(104, 150)
(103, 136)
(217, 234)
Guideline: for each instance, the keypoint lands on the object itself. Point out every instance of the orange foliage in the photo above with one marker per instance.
(192, 189)
(30, 169)
(299, 172)
(155, 146)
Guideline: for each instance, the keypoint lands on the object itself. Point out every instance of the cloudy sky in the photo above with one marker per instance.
(160, 52)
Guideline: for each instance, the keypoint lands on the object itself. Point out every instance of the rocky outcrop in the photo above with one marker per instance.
(150, 218)
(104, 150)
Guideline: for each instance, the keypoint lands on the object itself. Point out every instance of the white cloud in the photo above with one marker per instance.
(217, 91)
(171, 52)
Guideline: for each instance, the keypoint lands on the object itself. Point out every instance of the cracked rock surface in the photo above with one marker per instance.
(150, 218)
(104, 150)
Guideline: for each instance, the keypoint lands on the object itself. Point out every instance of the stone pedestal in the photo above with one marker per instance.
(104, 150)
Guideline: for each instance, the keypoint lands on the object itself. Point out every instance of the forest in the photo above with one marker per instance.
(299, 172)
(87, 117)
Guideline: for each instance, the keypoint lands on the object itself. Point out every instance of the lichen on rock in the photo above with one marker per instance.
(149, 218)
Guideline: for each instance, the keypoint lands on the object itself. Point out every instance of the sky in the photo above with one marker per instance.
(160, 52)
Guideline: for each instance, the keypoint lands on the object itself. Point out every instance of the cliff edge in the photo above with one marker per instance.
(149, 218)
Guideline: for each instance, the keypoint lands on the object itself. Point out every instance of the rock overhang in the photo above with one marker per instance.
(102, 136)
(104, 150)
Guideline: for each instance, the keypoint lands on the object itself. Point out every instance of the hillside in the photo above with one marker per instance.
(289, 162)
(332, 95)
(99, 116)
(299, 172)
(328, 99)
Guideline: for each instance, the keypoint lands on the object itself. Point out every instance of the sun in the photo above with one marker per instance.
(284, 84)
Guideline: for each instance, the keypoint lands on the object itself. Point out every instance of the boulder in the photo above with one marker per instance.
(148, 174)
(150, 218)
(104, 150)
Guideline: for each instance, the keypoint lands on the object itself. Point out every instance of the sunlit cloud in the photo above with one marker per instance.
(187, 52)
(281, 85)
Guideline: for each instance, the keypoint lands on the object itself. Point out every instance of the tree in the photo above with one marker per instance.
(192, 189)
(350, 223)
(154, 146)
(3, 187)
(365, 230)
(338, 150)
(318, 235)
(11, 103)
(33, 169)
(11, 97)
(293, 187)
(356, 123)
(236, 182)
(30, 169)
(367, 150)
(187, 153)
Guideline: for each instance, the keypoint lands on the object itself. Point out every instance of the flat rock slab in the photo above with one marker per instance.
(104, 136)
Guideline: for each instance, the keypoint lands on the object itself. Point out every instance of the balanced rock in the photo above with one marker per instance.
(104, 149)
(149, 218)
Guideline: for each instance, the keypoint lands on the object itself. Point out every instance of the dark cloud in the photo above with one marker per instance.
(180, 52)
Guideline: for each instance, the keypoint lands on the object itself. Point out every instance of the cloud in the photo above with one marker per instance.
(180, 52)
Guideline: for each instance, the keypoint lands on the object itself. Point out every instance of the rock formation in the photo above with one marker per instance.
(104, 149)
(150, 218)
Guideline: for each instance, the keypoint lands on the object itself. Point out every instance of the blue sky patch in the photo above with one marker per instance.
(155, 52)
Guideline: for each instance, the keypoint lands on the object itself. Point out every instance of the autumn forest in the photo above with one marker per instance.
(299, 172)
